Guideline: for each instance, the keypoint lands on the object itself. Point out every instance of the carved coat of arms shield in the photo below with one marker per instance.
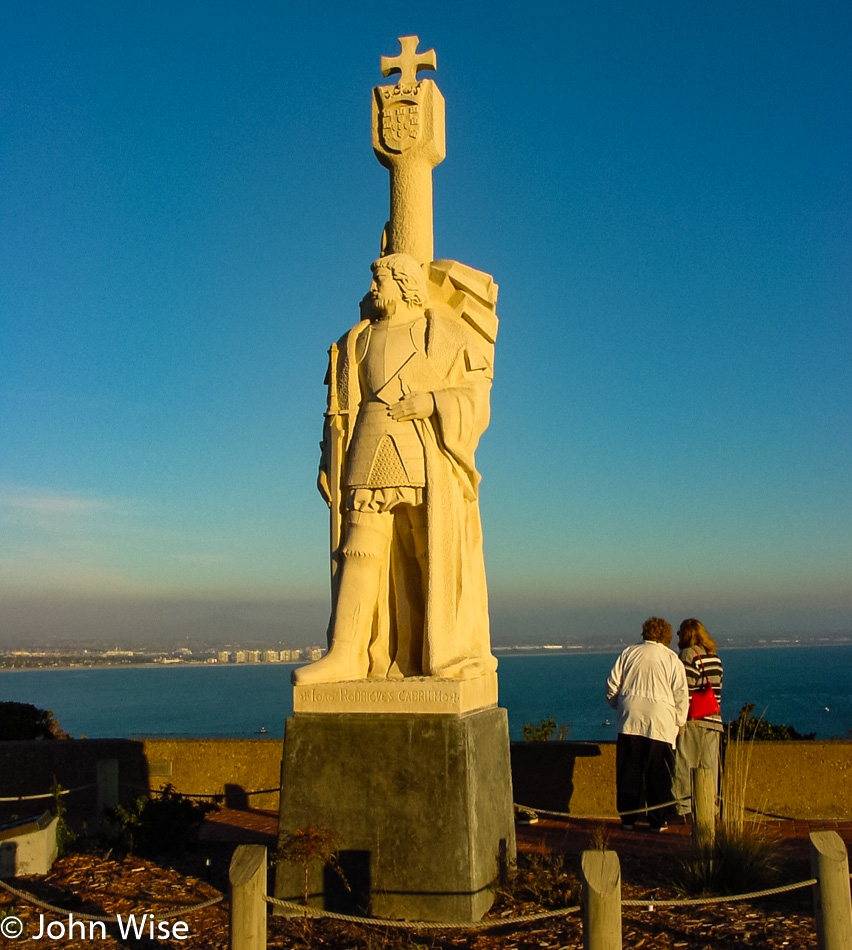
(400, 125)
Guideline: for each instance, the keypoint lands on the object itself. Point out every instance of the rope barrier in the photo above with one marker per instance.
(769, 814)
(222, 794)
(618, 814)
(32, 798)
(63, 911)
(649, 903)
(641, 811)
(722, 899)
(489, 924)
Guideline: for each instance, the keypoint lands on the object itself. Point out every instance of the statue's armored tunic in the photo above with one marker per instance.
(385, 453)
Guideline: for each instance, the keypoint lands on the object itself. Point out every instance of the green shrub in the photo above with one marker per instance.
(541, 732)
(746, 726)
(544, 729)
(25, 721)
(163, 825)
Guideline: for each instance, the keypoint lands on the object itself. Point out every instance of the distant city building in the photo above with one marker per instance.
(271, 656)
(316, 653)
(223, 656)
(253, 656)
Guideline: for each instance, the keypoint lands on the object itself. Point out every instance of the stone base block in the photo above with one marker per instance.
(28, 847)
(419, 809)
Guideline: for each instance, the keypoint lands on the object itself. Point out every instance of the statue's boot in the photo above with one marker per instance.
(365, 556)
(347, 658)
(342, 663)
(466, 669)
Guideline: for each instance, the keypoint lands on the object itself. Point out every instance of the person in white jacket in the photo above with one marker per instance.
(647, 685)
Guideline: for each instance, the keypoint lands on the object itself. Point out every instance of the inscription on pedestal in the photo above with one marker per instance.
(415, 694)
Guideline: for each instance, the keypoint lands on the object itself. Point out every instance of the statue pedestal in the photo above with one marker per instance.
(419, 807)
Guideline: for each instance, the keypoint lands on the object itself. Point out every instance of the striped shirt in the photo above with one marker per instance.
(695, 679)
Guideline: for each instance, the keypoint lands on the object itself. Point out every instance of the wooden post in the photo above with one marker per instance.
(247, 911)
(107, 782)
(703, 807)
(601, 873)
(832, 901)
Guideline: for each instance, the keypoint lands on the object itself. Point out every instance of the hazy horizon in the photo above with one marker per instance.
(121, 622)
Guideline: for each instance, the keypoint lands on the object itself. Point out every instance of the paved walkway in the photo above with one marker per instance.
(568, 836)
(241, 827)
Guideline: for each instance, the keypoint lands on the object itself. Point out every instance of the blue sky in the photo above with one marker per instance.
(189, 207)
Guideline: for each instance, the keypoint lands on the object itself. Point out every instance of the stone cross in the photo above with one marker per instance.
(408, 139)
(409, 62)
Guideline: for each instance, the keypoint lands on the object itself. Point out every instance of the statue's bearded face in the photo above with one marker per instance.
(386, 293)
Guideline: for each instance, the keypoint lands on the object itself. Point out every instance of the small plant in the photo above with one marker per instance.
(65, 837)
(163, 825)
(599, 837)
(541, 879)
(307, 846)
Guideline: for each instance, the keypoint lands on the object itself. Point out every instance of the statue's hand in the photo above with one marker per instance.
(413, 406)
(323, 486)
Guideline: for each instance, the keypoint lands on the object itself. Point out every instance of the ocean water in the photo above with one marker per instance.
(808, 688)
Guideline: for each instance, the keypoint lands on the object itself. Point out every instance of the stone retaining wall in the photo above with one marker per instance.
(800, 779)
(807, 780)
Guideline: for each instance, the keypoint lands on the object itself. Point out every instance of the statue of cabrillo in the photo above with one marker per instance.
(387, 718)
(408, 402)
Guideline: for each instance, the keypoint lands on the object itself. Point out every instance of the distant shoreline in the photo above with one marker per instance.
(147, 666)
(501, 653)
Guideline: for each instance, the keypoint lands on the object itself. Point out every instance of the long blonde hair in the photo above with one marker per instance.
(693, 634)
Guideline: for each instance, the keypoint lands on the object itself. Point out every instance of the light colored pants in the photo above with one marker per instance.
(697, 748)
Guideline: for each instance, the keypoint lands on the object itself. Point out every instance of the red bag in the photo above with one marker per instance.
(702, 702)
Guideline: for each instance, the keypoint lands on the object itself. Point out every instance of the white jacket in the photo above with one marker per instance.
(648, 687)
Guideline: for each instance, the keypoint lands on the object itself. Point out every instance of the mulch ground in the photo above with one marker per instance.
(549, 858)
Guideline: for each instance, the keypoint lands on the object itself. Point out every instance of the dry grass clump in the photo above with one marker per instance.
(745, 855)
(738, 862)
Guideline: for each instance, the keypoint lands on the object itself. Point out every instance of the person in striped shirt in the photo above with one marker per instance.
(698, 741)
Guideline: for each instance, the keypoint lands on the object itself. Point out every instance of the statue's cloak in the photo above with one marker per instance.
(454, 363)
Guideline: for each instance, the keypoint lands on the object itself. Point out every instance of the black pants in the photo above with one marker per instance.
(643, 777)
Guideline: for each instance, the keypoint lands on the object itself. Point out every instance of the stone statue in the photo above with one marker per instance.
(408, 400)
